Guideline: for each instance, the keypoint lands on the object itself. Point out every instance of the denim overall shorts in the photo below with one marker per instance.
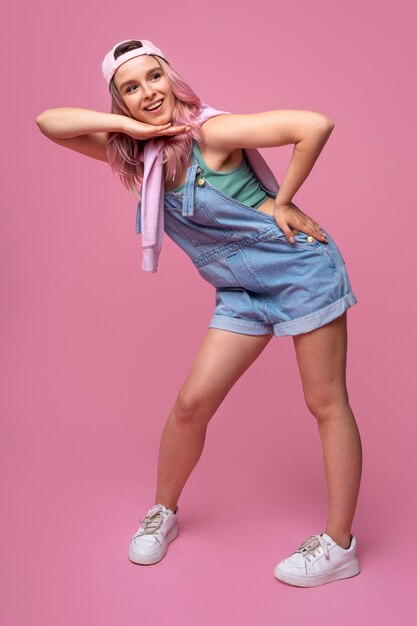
(264, 284)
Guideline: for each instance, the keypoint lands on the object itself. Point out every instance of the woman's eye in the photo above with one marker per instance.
(153, 77)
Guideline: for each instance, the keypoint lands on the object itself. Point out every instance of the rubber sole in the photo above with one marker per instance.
(347, 571)
(150, 559)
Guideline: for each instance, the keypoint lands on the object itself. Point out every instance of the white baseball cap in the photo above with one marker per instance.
(139, 46)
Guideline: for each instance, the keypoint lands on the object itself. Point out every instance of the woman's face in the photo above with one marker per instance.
(142, 83)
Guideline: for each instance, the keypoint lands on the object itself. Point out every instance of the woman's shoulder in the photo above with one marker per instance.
(210, 128)
(217, 157)
(229, 133)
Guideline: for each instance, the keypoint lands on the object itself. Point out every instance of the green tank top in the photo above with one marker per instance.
(239, 183)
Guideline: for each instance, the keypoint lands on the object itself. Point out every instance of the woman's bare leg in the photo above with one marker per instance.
(221, 360)
(321, 356)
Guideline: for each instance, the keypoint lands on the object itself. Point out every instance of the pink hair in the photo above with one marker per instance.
(125, 154)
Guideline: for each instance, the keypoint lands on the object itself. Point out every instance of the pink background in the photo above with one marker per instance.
(94, 350)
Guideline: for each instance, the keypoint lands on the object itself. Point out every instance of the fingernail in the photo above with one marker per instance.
(292, 239)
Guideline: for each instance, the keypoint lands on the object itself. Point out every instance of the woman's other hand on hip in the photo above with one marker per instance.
(289, 218)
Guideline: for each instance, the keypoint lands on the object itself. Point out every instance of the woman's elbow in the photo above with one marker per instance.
(322, 122)
(40, 120)
(323, 127)
(49, 123)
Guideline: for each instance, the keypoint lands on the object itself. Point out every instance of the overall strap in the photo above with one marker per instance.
(188, 201)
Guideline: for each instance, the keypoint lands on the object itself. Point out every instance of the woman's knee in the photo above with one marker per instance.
(192, 408)
(327, 404)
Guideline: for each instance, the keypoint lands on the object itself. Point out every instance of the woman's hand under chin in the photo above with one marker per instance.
(141, 130)
(289, 217)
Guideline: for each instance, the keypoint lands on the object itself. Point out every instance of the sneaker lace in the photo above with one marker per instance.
(152, 520)
(312, 545)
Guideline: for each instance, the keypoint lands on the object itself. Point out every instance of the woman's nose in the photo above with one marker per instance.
(148, 90)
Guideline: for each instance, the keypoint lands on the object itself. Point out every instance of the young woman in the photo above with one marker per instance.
(276, 272)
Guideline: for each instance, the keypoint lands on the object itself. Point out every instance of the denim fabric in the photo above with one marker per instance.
(264, 284)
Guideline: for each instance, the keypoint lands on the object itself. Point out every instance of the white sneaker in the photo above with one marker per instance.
(317, 561)
(157, 529)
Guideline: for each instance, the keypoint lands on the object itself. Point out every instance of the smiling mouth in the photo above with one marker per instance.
(154, 107)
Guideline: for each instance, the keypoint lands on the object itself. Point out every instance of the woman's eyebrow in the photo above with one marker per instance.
(132, 80)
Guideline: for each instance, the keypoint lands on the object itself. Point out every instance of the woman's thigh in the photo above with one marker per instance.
(321, 358)
(220, 361)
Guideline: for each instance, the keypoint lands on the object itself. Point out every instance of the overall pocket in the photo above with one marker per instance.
(202, 228)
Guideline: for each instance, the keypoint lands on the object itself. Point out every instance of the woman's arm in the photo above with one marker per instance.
(81, 130)
(85, 131)
(307, 130)
(263, 130)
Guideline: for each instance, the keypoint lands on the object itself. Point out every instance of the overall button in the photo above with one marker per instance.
(295, 232)
(201, 182)
(310, 239)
